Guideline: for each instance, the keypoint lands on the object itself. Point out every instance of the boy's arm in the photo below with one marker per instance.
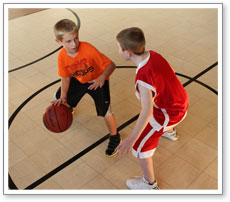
(65, 81)
(99, 82)
(142, 121)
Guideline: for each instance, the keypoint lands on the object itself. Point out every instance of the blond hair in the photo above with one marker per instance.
(64, 26)
(132, 39)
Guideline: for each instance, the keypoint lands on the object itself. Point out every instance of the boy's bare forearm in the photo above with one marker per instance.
(64, 86)
(109, 69)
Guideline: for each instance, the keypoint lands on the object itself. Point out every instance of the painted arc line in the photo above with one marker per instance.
(51, 53)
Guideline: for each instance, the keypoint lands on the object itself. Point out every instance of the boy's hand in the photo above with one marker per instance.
(126, 146)
(59, 101)
(99, 82)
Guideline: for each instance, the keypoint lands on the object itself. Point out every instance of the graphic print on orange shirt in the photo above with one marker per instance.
(80, 68)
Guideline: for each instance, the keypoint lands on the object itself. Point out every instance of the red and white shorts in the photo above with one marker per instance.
(146, 144)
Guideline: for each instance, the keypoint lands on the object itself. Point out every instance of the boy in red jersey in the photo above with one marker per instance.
(83, 69)
(164, 104)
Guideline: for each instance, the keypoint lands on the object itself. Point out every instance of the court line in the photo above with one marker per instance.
(35, 61)
(77, 156)
(200, 74)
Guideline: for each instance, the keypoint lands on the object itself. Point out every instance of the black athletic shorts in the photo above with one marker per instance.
(77, 90)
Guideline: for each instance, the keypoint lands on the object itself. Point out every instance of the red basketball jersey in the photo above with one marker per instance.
(169, 96)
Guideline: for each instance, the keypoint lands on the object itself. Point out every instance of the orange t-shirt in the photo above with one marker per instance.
(86, 66)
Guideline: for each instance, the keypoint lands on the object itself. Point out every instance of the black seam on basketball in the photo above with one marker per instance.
(57, 119)
(50, 117)
(45, 120)
(67, 122)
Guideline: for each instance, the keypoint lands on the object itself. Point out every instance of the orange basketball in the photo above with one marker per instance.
(57, 119)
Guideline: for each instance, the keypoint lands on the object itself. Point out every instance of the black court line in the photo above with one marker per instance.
(11, 184)
(77, 17)
(199, 82)
(51, 53)
(200, 74)
(53, 172)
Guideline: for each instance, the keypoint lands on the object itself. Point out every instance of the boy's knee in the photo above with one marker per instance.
(109, 112)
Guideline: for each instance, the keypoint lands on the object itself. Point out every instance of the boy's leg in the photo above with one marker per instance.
(110, 121)
(147, 168)
(101, 97)
(114, 138)
(170, 130)
(148, 180)
(144, 149)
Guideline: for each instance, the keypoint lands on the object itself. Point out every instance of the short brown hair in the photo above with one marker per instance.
(132, 39)
(64, 26)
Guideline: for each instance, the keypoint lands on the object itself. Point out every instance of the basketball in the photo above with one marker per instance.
(57, 119)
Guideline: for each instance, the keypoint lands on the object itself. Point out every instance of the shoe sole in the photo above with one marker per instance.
(130, 186)
(171, 139)
(114, 154)
(74, 111)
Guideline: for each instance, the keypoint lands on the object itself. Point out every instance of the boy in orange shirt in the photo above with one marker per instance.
(83, 69)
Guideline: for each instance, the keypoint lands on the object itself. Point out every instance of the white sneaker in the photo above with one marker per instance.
(171, 136)
(140, 183)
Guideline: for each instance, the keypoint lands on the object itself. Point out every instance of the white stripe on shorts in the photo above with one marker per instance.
(142, 155)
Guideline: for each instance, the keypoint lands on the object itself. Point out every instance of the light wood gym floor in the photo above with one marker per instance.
(187, 38)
